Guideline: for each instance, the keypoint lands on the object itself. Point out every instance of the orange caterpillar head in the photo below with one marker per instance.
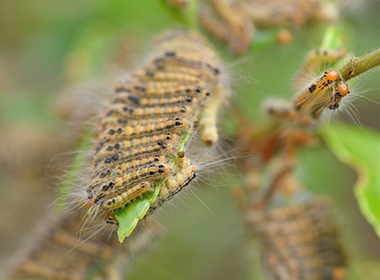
(331, 76)
(341, 91)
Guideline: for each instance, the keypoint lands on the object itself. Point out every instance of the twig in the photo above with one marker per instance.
(359, 65)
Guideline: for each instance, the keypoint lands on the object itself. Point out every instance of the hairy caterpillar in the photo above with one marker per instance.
(315, 60)
(301, 241)
(128, 196)
(309, 94)
(183, 175)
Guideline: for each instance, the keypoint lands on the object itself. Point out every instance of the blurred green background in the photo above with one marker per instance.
(53, 52)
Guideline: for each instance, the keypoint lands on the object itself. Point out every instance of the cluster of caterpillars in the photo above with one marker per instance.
(327, 91)
(235, 22)
(301, 242)
(141, 135)
(139, 141)
(59, 253)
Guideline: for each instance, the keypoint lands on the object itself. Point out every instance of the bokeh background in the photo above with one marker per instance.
(57, 56)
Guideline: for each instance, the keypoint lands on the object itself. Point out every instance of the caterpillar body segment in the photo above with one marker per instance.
(122, 111)
(191, 65)
(101, 191)
(128, 196)
(167, 90)
(108, 144)
(209, 114)
(115, 123)
(147, 88)
(128, 166)
(186, 42)
(168, 76)
(176, 125)
(135, 100)
(108, 160)
(206, 74)
(178, 38)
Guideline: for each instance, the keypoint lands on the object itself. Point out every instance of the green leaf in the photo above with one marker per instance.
(130, 215)
(360, 148)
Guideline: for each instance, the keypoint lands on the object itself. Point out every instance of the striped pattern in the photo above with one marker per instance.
(177, 92)
(301, 242)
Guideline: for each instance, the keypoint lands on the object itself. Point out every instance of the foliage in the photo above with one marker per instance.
(360, 148)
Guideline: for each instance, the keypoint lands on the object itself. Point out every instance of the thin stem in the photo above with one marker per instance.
(359, 65)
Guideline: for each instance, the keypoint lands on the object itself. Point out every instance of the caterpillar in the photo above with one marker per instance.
(152, 102)
(126, 197)
(309, 94)
(128, 166)
(133, 143)
(103, 189)
(301, 241)
(185, 173)
(316, 59)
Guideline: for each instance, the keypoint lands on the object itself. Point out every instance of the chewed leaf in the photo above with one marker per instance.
(130, 215)
(360, 148)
